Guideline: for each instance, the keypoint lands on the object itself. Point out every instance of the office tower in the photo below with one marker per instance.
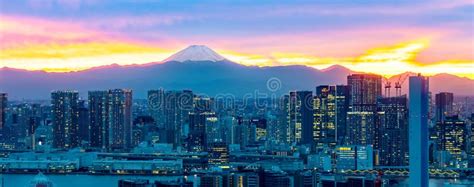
(203, 125)
(227, 123)
(214, 130)
(392, 123)
(276, 127)
(452, 138)
(120, 118)
(418, 130)
(177, 105)
(155, 106)
(244, 132)
(330, 112)
(197, 132)
(364, 89)
(98, 117)
(277, 122)
(65, 119)
(443, 105)
(300, 117)
(203, 129)
(110, 115)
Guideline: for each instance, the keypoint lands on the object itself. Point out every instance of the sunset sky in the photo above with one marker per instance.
(385, 37)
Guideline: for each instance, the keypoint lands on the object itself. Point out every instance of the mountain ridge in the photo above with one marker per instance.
(209, 76)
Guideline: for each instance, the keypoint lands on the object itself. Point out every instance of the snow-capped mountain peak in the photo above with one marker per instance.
(195, 53)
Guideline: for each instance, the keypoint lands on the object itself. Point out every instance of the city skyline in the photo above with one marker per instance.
(302, 93)
(352, 131)
(378, 37)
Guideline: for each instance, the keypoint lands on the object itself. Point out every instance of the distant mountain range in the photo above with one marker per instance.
(200, 69)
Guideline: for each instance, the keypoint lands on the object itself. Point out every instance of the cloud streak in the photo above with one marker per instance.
(58, 35)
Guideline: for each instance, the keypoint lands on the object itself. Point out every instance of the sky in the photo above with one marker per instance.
(383, 37)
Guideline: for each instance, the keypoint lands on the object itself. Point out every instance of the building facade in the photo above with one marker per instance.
(110, 116)
(443, 105)
(418, 130)
(300, 117)
(65, 119)
(364, 90)
(392, 124)
(330, 112)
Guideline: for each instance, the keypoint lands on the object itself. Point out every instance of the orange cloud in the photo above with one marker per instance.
(35, 44)
(80, 56)
(387, 61)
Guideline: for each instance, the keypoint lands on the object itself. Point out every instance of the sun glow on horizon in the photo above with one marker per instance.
(387, 61)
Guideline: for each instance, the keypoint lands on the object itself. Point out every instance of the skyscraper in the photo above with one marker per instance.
(199, 126)
(171, 108)
(330, 112)
(65, 119)
(392, 123)
(452, 138)
(418, 130)
(83, 122)
(110, 115)
(443, 105)
(300, 117)
(120, 118)
(3, 108)
(98, 111)
(364, 89)
(155, 106)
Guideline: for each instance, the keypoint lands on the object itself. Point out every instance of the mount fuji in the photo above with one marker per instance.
(198, 68)
(195, 53)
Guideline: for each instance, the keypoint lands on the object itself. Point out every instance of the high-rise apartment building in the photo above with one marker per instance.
(120, 118)
(110, 114)
(65, 119)
(98, 119)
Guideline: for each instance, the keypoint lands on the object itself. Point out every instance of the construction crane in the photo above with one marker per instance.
(398, 85)
(387, 86)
